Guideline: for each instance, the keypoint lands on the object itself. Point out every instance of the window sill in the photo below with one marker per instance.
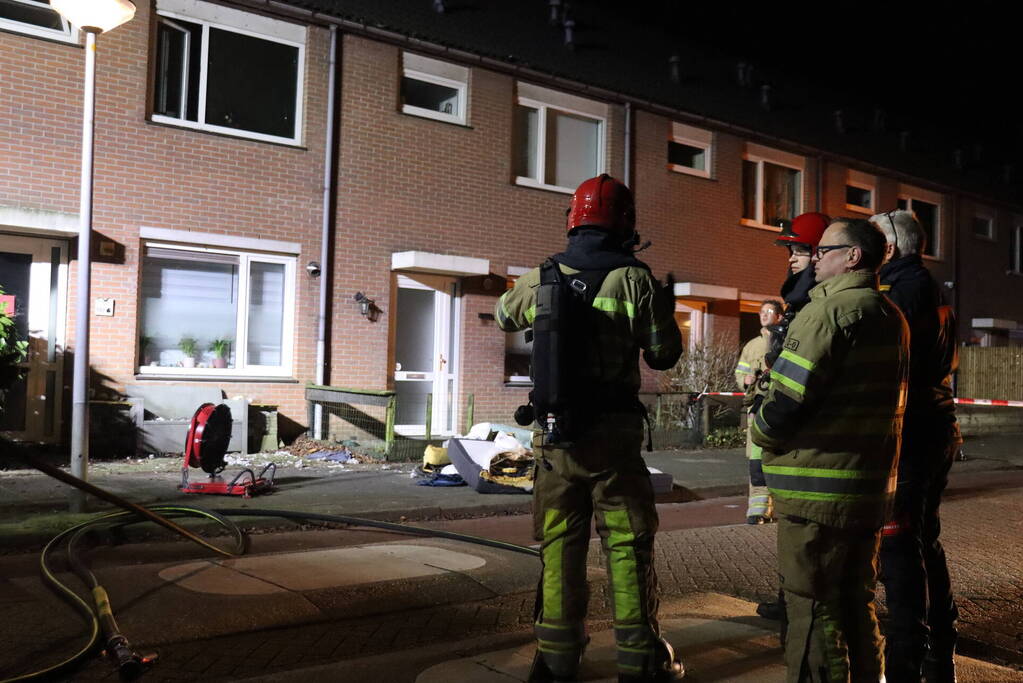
(859, 209)
(523, 181)
(928, 257)
(210, 377)
(219, 131)
(30, 31)
(515, 382)
(746, 222)
(985, 238)
(695, 172)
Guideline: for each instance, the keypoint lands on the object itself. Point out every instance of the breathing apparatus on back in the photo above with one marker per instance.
(601, 224)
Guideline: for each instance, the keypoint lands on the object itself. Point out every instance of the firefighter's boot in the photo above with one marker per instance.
(668, 668)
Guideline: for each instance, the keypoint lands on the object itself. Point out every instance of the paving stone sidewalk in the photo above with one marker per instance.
(982, 535)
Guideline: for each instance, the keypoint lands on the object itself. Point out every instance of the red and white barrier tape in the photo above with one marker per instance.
(989, 402)
(964, 401)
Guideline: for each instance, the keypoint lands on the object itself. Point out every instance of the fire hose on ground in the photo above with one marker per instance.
(99, 617)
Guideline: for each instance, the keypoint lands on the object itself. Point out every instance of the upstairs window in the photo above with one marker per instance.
(983, 227)
(772, 187)
(860, 190)
(434, 89)
(559, 139)
(927, 207)
(689, 150)
(227, 71)
(35, 18)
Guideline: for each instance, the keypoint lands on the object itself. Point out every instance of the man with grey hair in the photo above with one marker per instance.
(921, 609)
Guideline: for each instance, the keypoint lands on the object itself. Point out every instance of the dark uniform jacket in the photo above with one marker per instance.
(933, 347)
(832, 420)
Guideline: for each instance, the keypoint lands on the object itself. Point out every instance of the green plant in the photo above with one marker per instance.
(188, 346)
(730, 437)
(13, 352)
(220, 347)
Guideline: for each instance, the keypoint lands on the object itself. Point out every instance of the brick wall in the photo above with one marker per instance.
(404, 183)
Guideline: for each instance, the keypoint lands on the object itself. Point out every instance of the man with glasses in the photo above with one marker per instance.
(913, 566)
(830, 429)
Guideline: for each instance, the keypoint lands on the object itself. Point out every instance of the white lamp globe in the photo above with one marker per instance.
(101, 15)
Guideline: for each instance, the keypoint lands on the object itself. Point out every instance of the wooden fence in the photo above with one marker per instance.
(990, 372)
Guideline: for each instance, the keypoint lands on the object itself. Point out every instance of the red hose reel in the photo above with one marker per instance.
(205, 447)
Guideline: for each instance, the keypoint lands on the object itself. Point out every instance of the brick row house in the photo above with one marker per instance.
(449, 174)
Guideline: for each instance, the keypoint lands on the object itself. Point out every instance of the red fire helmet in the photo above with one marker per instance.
(806, 228)
(605, 203)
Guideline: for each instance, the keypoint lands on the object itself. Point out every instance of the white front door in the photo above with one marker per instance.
(425, 354)
(34, 272)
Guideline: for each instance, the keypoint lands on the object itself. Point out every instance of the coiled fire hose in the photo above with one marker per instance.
(99, 618)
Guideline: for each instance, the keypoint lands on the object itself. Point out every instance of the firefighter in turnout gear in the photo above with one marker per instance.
(800, 237)
(589, 435)
(749, 369)
(830, 428)
(921, 609)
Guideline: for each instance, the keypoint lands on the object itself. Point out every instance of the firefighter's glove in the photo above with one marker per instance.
(664, 298)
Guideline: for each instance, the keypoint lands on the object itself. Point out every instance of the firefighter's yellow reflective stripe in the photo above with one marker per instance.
(790, 471)
(756, 452)
(531, 313)
(617, 306)
(884, 288)
(798, 360)
(743, 367)
(785, 381)
(555, 525)
(829, 497)
(836, 653)
(623, 565)
(503, 316)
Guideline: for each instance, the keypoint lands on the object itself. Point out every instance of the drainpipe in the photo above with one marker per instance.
(627, 173)
(326, 258)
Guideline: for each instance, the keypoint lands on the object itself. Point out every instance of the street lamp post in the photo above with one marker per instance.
(92, 17)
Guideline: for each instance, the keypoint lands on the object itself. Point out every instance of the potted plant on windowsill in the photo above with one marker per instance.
(188, 346)
(220, 348)
(144, 344)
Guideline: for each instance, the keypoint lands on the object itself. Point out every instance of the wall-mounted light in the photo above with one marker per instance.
(367, 307)
(313, 268)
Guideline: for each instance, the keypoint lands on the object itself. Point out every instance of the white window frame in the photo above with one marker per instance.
(699, 138)
(989, 216)
(441, 73)
(247, 24)
(909, 194)
(68, 35)
(1016, 248)
(542, 99)
(240, 343)
(862, 181)
(759, 155)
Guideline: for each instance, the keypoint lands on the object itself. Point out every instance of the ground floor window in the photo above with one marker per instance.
(216, 311)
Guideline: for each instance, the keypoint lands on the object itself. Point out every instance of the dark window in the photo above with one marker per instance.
(438, 98)
(31, 12)
(927, 214)
(178, 64)
(681, 154)
(858, 196)
(251, 84)
(983, 227)
(1016, 250)
(749, 190)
